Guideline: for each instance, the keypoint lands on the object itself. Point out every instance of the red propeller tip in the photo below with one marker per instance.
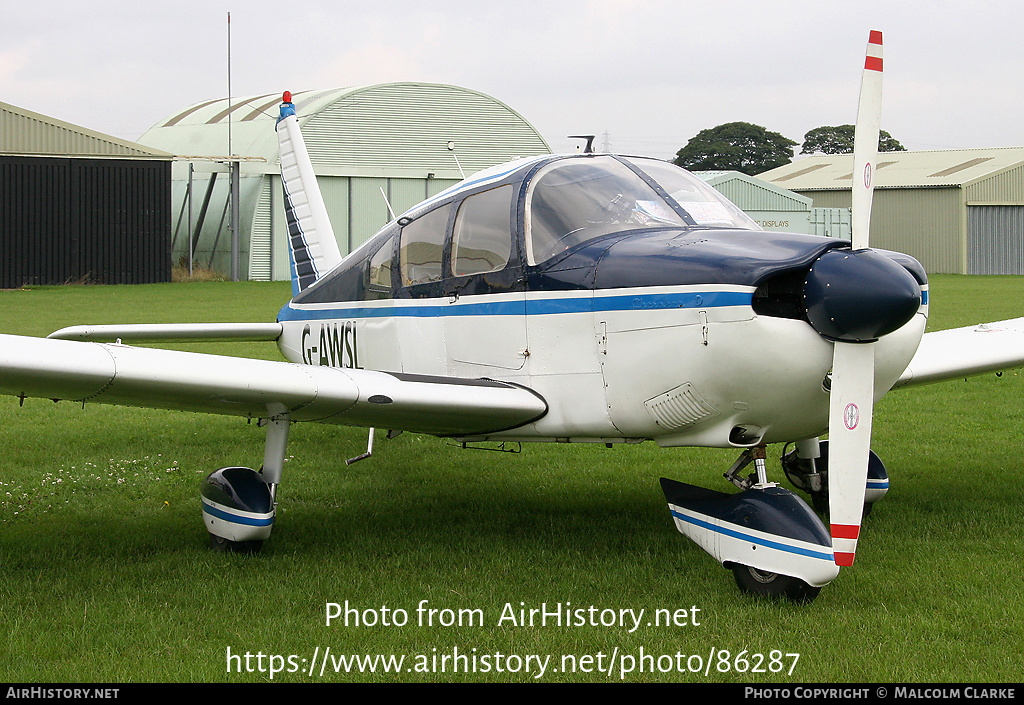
(844, 560)
(845, 531)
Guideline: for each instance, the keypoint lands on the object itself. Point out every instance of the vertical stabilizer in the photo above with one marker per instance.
(312, 247)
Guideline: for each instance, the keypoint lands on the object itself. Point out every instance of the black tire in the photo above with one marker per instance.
(224, 545)
(774, 585)
(796, 470)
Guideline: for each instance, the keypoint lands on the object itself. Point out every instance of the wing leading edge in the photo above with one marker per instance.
(171, 332)
(170, 379)
(961, 352)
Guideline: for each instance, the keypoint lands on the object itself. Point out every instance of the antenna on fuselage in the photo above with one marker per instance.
(387, 203)
(589, 149)
(451, 148)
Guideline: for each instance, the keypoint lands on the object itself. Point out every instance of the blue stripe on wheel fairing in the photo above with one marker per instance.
(236, 518)
(533, 307)
(830, 557)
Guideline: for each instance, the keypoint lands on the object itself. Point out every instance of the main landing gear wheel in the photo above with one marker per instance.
(765, 584)
(238, 509)
(239, 504)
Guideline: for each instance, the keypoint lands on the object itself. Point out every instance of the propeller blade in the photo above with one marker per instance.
(849, 443)
(865, 140)
(853, 364)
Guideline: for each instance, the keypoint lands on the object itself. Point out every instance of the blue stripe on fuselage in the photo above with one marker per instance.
(533, 306)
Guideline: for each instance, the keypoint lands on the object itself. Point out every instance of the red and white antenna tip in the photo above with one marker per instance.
(875, 37)
(287, 97)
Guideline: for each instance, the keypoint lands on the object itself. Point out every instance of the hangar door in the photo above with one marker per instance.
(995, 239)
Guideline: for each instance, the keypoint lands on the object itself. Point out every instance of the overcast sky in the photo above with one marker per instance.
(649, 73)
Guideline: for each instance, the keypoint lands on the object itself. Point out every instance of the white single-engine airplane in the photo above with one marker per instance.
(579, 298)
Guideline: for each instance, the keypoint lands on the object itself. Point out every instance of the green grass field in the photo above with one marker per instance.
(105, 575)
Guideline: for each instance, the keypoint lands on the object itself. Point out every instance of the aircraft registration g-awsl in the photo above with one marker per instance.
(571, 298)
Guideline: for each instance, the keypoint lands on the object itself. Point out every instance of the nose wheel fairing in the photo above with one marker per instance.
(766, 528)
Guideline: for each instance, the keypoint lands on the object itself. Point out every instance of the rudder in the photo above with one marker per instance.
(312, 248)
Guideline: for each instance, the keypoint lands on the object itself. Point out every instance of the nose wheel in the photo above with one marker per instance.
(763, 583)
(774, 544)
(810, 475)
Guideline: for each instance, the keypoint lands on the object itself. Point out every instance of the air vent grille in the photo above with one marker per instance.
(679, 407)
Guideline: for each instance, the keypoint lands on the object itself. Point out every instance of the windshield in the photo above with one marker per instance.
(574, 200)
(704, 204)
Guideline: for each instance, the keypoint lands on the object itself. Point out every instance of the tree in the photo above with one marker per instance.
(736, 146)
(838, 139)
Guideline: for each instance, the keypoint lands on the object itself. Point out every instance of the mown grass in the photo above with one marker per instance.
(104, 574)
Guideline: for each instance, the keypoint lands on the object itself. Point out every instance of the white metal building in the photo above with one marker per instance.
(396, 143)
(771, 206)
(958, 211)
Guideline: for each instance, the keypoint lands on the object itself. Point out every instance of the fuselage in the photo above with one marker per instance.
(636, 300)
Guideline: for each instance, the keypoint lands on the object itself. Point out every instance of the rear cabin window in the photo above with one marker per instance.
(422, 248)
(482, 237)
(378, 284)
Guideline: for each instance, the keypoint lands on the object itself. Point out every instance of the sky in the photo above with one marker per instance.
(643, 75)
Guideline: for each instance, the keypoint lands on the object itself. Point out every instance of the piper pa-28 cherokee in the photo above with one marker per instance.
(572, 298)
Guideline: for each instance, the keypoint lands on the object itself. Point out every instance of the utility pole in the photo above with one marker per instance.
(233, 166)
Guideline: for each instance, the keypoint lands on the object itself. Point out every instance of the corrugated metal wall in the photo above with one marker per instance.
(995, 223)
(831, 222)
(406, 128)
(356, 208)
(925, 223)
(28, 133)
(212, 246)
(753, 197)
(98, 220)
(392, 137)
(1004, 187)
(261, 243)
(995, 239)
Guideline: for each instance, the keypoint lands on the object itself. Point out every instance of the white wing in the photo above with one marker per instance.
(961, 352)
(169, 379)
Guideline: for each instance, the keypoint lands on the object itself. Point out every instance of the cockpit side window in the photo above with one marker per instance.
(422, 248)
(482, 235)
(701, 202)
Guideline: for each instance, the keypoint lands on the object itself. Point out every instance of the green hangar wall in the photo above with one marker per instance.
(371, 146)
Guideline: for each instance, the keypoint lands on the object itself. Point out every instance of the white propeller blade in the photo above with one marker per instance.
(853, 364)
(865, 140)
(849, 442)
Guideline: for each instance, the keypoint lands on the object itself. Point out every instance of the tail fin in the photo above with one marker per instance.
(312, 247)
